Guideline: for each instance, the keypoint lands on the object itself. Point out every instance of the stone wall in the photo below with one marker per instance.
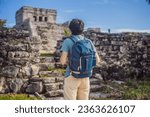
(23, 69)
(18, 53)
(124, 55)
(49, 35)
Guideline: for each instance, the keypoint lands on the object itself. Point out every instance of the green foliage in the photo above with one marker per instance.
(17, 97)
(46, 54)
(60, 70)
(139, 91)
(2, 23)
(106, 89)
(50, 68)
(131, 89)
(67, 32)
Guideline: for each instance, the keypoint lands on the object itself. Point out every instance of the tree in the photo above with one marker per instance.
(2, 23)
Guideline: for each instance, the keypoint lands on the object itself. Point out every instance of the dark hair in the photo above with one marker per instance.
(76, 26)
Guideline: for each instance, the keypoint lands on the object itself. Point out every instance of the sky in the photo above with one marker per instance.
(117, 15)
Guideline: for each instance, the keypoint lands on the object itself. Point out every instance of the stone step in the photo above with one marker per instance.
(55, 98)
(95, 88)
(46, 74)
(98, 95)
(94, 81)
(53, 86)
(52, 73)
(46, 66)
(47, 59)
(58, 65)
(56, 93)
(48, 80)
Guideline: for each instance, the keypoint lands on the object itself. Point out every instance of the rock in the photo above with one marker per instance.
(53, 86)
(34, 87)
(27, 71)
(56, 93)
(47, 59)
(118, 82)
(2, 84)
(55, 98)
(49, 80)
(98, 76)
(99, 95)
(95, 81)
(59, 79)
(95, 88)
(45, 74)
(35, 69)
(15, 85)
(46, 66)
(10, 71)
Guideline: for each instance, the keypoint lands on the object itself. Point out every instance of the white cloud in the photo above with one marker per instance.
(132, 30)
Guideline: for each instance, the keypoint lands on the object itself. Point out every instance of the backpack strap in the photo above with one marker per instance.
(72, 39)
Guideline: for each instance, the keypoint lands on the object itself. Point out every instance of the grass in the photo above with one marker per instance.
(60, 70)
(129, 90)
(17, 97)
(52, 69)
(46, 54)
(138, 91)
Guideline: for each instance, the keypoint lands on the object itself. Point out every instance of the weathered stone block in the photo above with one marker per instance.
(54, 93)
(35, 69)
(49, 80)
(52, 86)
(27, 71)
(34, 87)
(2, 84)
(10, 71)
(15, 85)
(21, 54)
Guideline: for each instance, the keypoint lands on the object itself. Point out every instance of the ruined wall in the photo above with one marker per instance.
(23, 69)
(49, 35)
(18, 53)
(42, 25)
(124, 55)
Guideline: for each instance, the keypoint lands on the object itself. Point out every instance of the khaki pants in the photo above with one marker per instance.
(76, 88)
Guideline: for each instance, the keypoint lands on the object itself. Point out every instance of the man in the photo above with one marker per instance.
(75, 88)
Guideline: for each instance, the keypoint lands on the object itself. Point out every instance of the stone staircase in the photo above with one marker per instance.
(96, 86)
(49, 82)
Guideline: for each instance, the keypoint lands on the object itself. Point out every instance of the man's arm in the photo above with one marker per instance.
(97, 58)
(64, 58)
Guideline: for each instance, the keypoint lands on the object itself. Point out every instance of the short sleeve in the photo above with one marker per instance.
(65, 46)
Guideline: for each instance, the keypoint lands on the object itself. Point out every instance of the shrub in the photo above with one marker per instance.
(2, 23)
